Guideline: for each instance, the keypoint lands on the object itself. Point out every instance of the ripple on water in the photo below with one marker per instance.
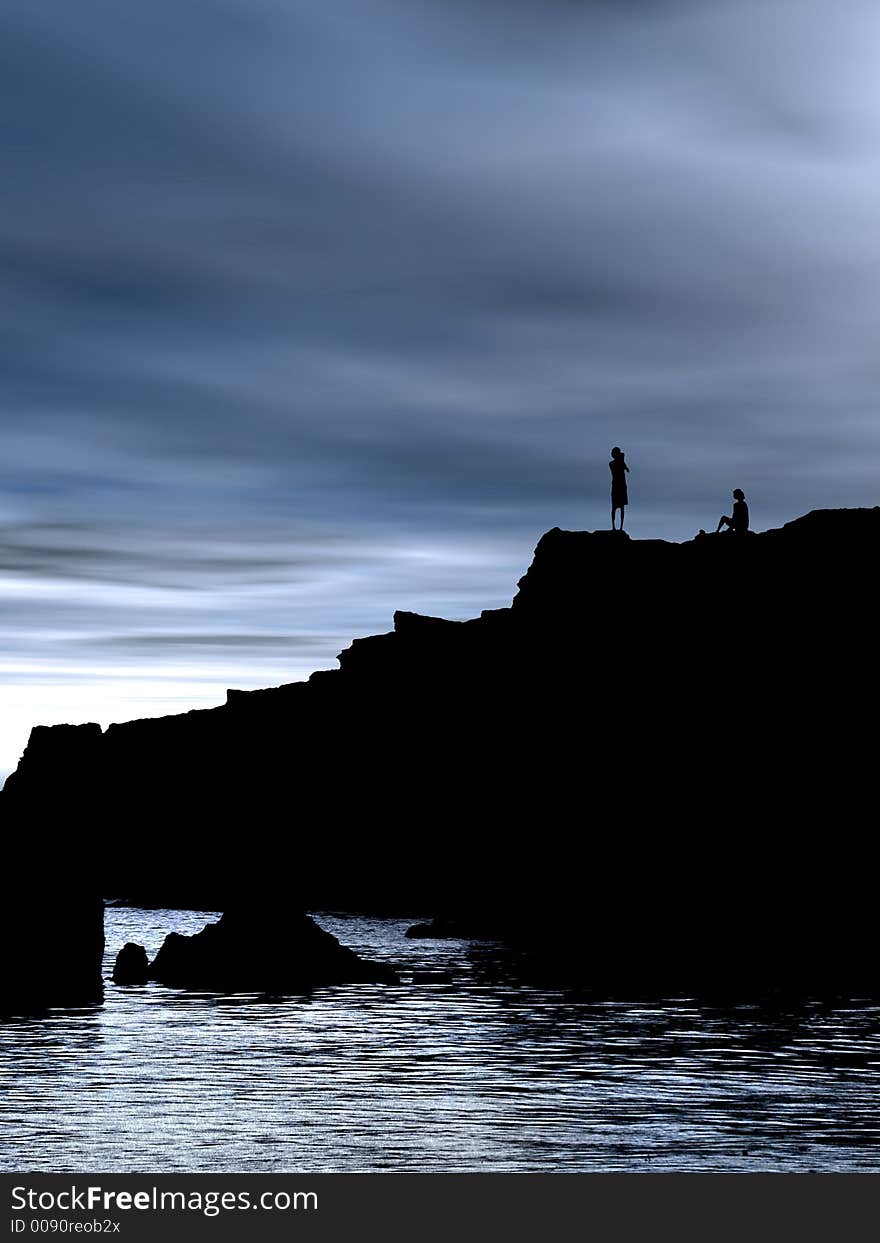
(462, 1076)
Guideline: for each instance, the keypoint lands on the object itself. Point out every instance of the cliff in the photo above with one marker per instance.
(655, 767)
(51, 940)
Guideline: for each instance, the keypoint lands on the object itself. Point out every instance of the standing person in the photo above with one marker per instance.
(619, 498)
(738, 523)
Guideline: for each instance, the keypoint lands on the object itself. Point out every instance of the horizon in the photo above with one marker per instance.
(313, 316)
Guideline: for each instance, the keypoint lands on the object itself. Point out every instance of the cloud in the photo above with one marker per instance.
(291, 289)
(199, 641)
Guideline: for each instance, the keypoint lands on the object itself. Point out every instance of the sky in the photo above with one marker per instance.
(316, 309)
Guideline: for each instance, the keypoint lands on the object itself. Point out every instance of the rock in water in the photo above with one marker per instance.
(132, 965)
(52, 939)
(250, 951)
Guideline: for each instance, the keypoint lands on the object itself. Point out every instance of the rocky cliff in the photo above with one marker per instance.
(655, 767)
(51, 939)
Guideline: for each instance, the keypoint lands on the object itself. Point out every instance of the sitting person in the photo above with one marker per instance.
(739, 523)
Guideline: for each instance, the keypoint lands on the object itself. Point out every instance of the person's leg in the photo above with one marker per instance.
(622, 515)
(613, 514)
(723, 521)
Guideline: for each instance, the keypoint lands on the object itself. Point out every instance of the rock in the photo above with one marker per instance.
(132, 965)
(169, 898)
(52, 940)
(651, 771)
(248, 950)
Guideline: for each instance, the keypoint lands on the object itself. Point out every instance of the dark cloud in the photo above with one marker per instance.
(156, 557)
(209, 639)
(312, 311)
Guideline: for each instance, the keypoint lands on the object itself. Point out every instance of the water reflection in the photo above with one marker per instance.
(473, 1075)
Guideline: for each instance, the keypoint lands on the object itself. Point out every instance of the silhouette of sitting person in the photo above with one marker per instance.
(619, 498)
(738, 524)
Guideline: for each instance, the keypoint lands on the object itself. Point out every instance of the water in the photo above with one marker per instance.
(422, 1077)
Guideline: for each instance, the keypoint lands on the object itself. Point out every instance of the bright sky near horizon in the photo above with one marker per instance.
(313, 311)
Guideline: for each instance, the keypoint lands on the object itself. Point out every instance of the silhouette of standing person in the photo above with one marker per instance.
(739, 522)
(619, 498)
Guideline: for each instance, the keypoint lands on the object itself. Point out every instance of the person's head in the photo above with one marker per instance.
(738, 494)
(615, 452)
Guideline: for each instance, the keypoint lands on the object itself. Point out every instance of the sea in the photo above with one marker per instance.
(459, 1067)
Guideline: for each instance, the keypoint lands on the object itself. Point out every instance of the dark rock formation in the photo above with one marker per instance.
(132, 965)
(168, 898)
(249, 951)
(654, 770)
(51, 939)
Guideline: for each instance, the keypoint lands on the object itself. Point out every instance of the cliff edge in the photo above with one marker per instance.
(656, 766)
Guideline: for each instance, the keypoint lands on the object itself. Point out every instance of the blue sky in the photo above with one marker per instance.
(312, 311)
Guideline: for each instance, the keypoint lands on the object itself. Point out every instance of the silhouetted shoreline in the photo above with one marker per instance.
(606, 774)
